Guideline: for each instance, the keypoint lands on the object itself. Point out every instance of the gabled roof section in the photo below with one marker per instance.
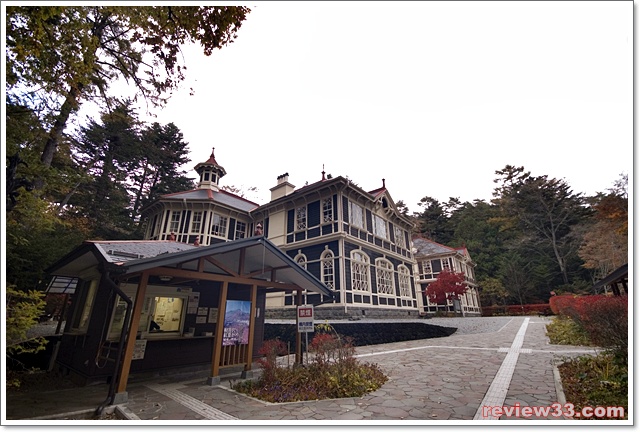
(423, 248)
(254, 258)
(221, 197)
(426, 247)
(376, 194)
(95, 252)
(250, 260)
(128, 250)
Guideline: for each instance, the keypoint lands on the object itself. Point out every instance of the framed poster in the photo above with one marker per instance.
(236, 322)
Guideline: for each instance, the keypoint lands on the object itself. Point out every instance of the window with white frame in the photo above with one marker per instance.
(301, 218)
(85, 305)
(398, 234)
(241, 230)
(404, 280)
(356, 215)
(327, 209)
(164, 306)
(219, 225)
(445, 264)
(384, 277)
(425, 266)
(175, 222)
(301, 259)
(196, 221)
(328, 272)
(360, 271)
(379, 227)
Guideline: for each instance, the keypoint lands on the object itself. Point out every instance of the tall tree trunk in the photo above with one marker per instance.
(69, 105)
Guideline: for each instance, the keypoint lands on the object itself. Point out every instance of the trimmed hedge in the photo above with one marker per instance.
(528, 309)
(604, 318)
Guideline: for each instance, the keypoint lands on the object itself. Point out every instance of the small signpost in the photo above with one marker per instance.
(305, 323)
(305, 318)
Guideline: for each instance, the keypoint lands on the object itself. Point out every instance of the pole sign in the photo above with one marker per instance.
(305, 319)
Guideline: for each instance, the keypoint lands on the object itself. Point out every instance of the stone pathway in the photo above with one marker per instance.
(440, 379)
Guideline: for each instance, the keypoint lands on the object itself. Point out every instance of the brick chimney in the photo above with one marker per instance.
(283, 188)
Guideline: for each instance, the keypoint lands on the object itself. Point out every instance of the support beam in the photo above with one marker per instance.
(218, 337)
(298, 335)
(252, 327)
(133, 331)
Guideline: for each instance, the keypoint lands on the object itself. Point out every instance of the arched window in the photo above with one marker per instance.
(360, 271)
(328, 272)
(301, 260)
(404, 279)
(384, 277)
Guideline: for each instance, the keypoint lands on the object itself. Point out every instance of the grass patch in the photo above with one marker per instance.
(565, 331)
(601, 380)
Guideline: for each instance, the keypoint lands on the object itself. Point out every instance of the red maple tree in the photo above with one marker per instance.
(449, 285)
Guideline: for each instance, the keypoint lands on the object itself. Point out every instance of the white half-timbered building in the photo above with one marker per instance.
(355, 241)
(431, 259)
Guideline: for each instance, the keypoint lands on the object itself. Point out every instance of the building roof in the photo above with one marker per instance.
(619, 275)
(221, 197)
(129, 250)
(425, 246)
(254, 259)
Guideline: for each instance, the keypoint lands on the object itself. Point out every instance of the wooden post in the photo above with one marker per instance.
(133, 331)
(217, 341)
(252, 327)
(298, 335)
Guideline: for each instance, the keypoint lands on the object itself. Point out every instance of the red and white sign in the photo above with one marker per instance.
(305, 319)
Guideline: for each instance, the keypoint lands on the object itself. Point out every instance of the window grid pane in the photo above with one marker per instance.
(359, 272)
(175, 221)
(356, 215)
(301, 218)
(197, 222)
(219, 226)
(241, 229)
(379, 227)
(399, 239)
(445, 264)
(327, 210)
(403, 279)
(384, 276)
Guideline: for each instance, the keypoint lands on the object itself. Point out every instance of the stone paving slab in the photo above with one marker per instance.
(433, 381)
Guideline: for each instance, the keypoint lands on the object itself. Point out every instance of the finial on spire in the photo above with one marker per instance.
(323, 179)
(383, 185)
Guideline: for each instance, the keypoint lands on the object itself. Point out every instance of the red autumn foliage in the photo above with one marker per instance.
(604, 318)
(449, 285)
(561, 304)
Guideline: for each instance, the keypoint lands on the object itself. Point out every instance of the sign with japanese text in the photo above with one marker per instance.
(305, 319)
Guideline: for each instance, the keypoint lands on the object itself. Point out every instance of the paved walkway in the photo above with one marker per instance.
(430, 381)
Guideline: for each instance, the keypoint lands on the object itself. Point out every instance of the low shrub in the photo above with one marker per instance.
(604, 319)
(333, 373)
(561, 304)
(600, 380)
(563, 330)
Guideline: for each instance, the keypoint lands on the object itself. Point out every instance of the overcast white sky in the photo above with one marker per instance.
(432, 96)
